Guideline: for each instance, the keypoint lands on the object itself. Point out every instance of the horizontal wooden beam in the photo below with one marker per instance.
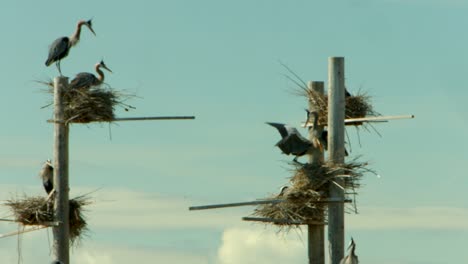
(369, 119)
(257, 202)
(333, 200)
(25, 230)
(377, 118)
(7, 220)
(213, 206)
(281, 221)
(119, 119)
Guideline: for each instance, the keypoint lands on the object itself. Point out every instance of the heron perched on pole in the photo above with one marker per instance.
(60, 48)
(47, 175)
(292, 141)
(351, 258)
(86, 80)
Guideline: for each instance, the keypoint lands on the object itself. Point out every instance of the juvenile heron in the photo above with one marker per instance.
(47, 175)
(347, 94)
(320, 135)
(284, 191)
(316, 131)
(60, 48)
(86, 80)
(351, 258)
(292, 141)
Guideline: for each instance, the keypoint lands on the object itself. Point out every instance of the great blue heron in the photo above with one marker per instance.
(351, 258)
(284, 191)
(320, 135)
(47, 175)
(60, 48)
(347, 94)
(86, 80)
(292, 141)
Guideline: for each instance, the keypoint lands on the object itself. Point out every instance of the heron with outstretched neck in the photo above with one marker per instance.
(60, 48)
(351, 258)
(86, 80)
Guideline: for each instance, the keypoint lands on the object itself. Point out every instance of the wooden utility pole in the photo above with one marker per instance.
(336, 116)
(316, 233)
(61, 204)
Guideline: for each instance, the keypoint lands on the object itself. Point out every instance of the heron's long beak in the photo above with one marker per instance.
(89, 24)
(105, 67)
(351, 243)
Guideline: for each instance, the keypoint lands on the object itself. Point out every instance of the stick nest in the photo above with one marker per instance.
(32, 211)
(356, 106)
(95, 104)
(309, 185)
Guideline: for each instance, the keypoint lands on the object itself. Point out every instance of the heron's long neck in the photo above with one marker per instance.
(75, 38)
(100, 73)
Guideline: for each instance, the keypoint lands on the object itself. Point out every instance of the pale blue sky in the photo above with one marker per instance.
(218, 60)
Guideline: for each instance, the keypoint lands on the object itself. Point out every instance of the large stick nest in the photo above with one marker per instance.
(309, 185)
(356, 106)
(33, 211)
(88, 105)
(95, 104)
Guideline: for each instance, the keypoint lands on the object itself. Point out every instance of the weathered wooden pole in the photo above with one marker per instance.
(61, 205)
(316, 233)
(336, 134)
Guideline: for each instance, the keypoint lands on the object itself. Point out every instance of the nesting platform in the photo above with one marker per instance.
(305, 200)
(356, 106)
(38, 211)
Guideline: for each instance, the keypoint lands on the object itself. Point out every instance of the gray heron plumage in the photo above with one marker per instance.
(351, 258)
(86, 80)
(347, 94)
(60, 48)
(292, 142)
(47, 176)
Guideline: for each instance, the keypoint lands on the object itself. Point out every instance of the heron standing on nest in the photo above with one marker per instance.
(351, 258)
(284, 191)
(292, 141)
(320, 140)
(60, 48)
(317, 131)
(47, 175)
(86, 80)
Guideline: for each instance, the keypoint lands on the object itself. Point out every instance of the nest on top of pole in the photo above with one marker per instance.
(38, 211)
(91, 104)
(305, 200)
(356, 106)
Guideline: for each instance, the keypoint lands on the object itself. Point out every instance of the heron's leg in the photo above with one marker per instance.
(297, 162)
(58, 67)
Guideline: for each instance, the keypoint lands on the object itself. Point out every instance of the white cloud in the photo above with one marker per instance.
(256, 246)
(107, 254)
